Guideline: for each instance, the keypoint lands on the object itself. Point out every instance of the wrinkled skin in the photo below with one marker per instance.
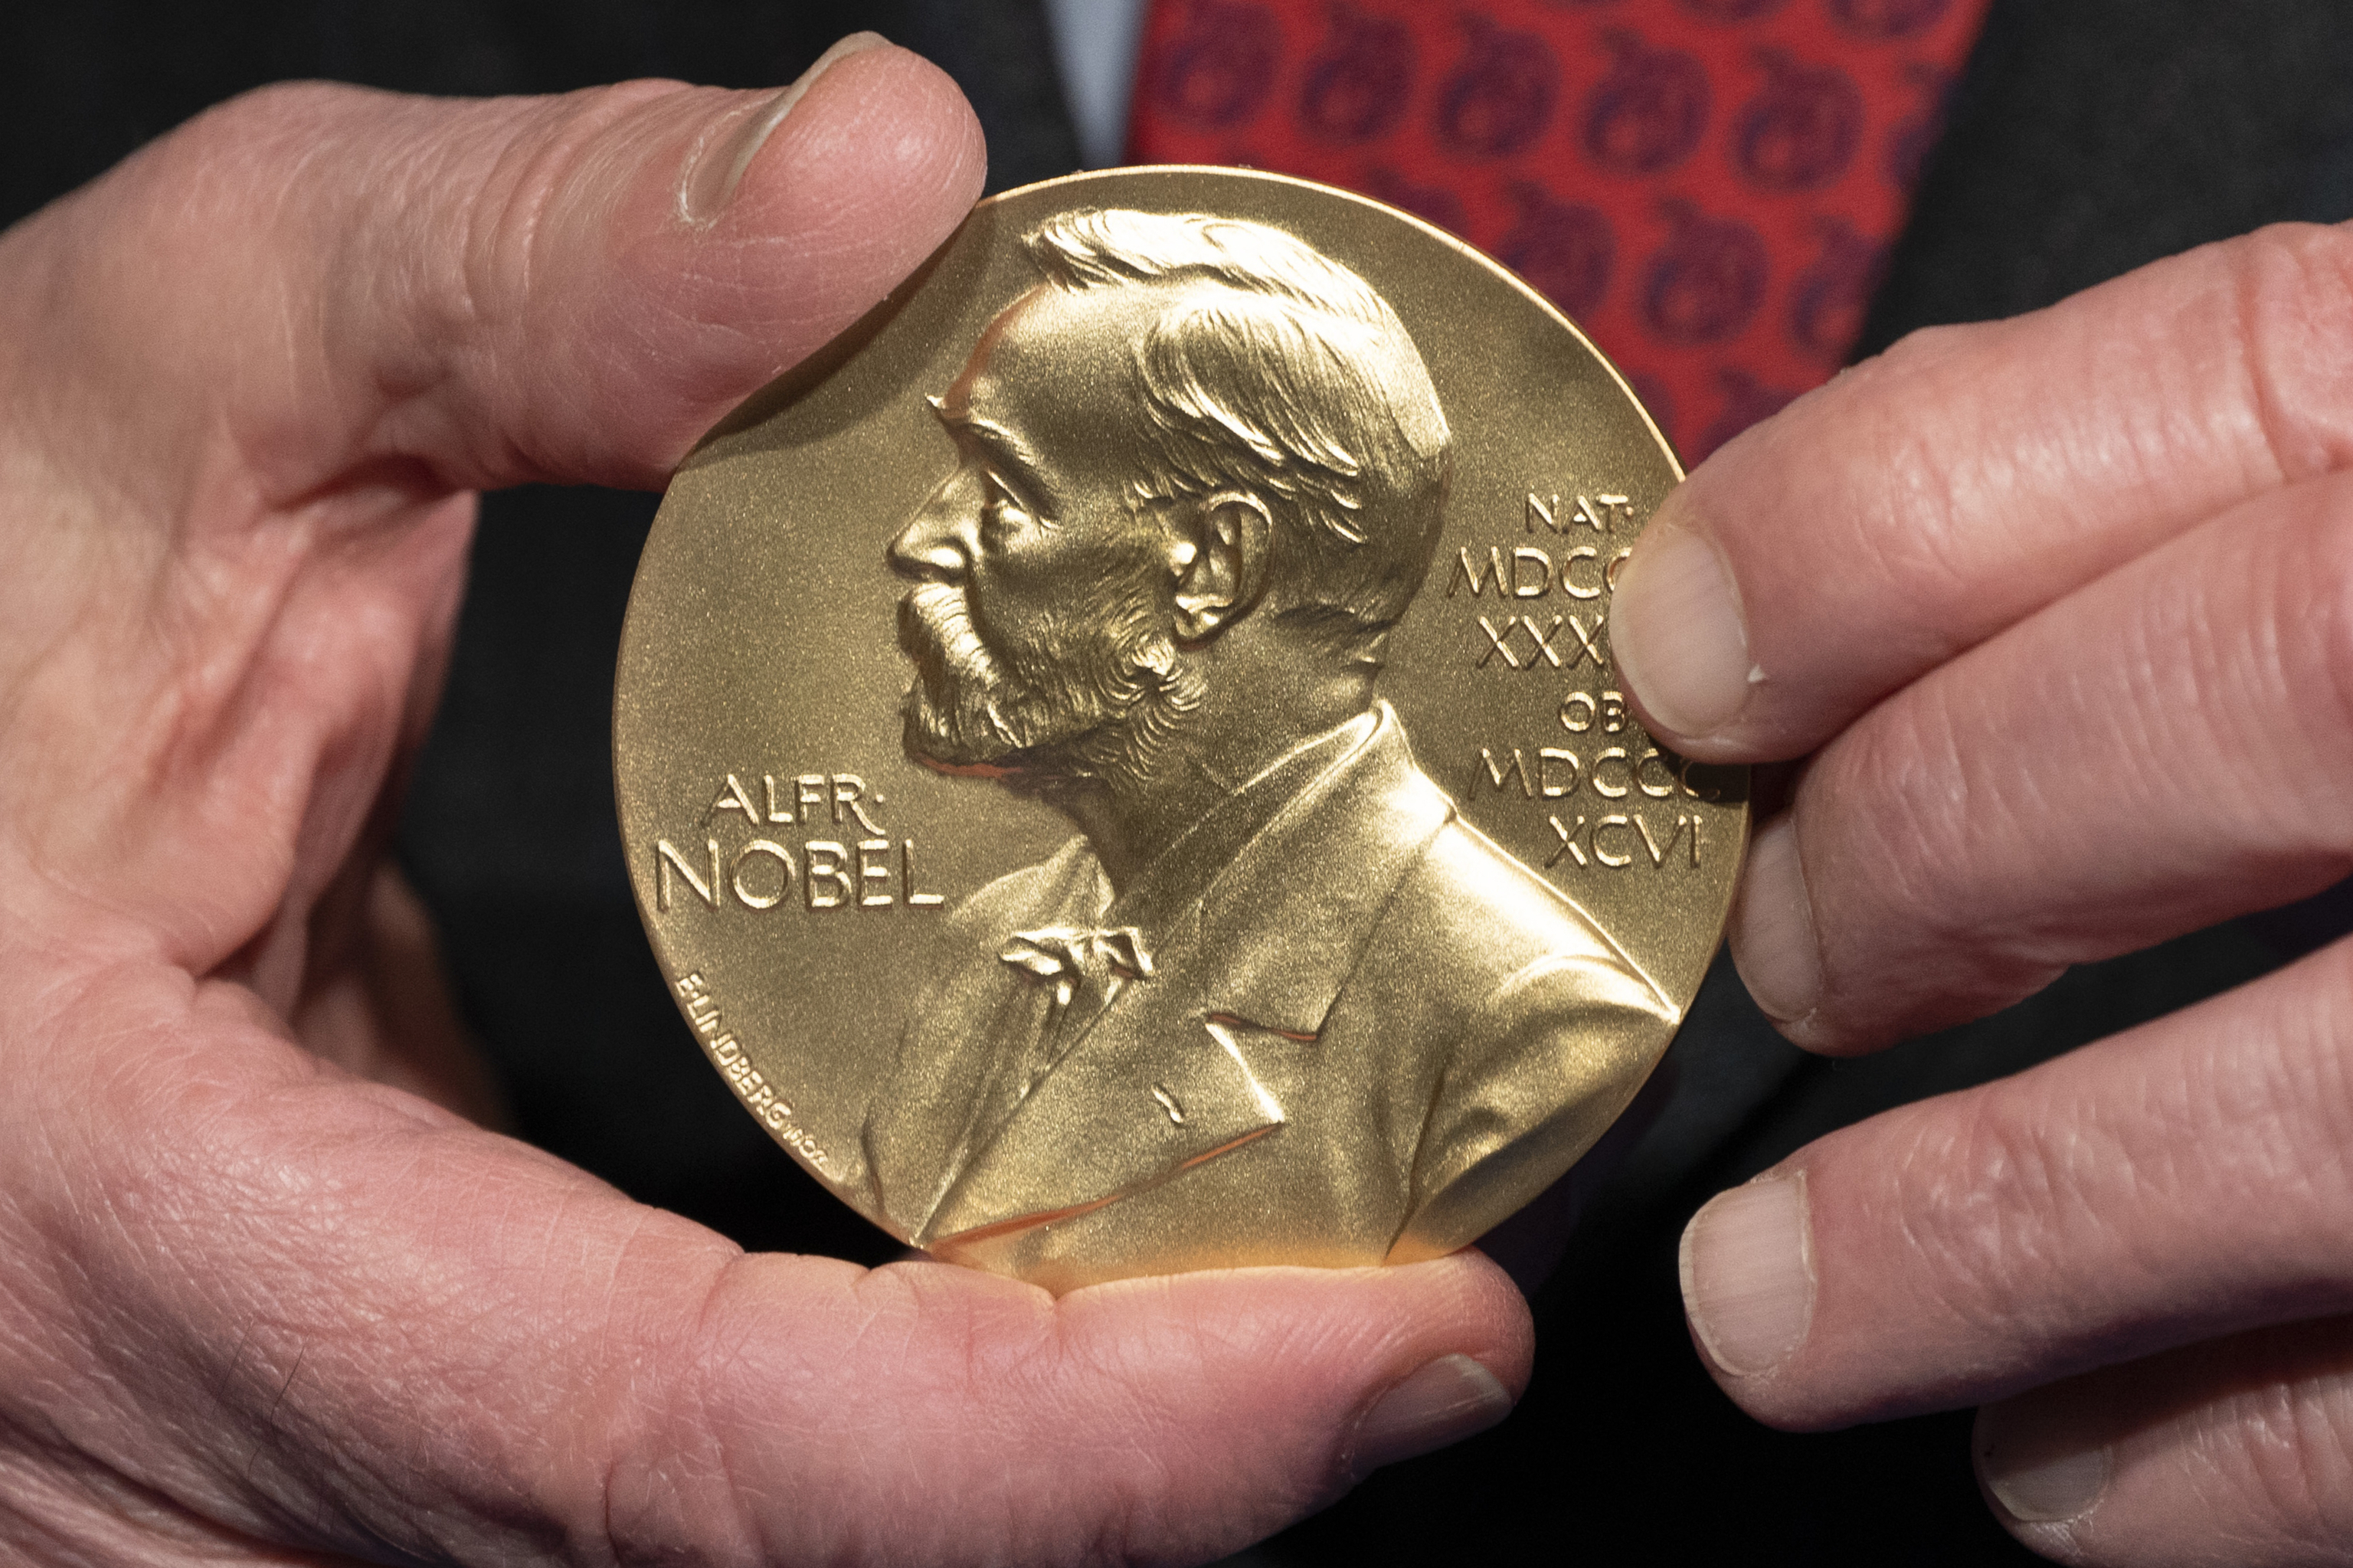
(2059, 614)
(266, 1293)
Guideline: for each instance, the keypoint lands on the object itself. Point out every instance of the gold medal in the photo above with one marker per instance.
(1119, 756)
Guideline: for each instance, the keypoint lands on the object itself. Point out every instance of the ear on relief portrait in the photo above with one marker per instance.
(1220, 555)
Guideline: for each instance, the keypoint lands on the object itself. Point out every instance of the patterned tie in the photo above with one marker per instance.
(1709, 188)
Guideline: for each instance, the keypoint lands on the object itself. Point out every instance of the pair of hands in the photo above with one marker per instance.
(2053, 604)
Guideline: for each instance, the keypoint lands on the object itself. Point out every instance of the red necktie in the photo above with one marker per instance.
(1709, 188)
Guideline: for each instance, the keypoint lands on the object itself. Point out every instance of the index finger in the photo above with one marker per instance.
(1920, 502)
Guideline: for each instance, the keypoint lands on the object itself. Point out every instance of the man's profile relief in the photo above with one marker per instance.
(1276, 1001)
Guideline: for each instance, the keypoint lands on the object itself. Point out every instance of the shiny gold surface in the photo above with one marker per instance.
(1118, 756)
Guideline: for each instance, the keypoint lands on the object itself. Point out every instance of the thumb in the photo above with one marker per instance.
(470, 294)
(320, 1315)
(241, 375)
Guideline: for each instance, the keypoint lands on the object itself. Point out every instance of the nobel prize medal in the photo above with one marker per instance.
(1119, 756)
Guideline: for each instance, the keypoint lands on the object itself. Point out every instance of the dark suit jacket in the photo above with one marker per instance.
(1370, 1036)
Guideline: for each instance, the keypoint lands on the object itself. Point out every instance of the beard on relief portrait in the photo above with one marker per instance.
(1076, 697)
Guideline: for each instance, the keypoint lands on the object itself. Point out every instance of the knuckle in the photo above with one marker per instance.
(1884, 393)
(1928, 577)
(1907, 757)
(2309, 645)
(2283, 1450)
(1992, 1207)
(1907, 943)
(522, 171)
(2093, 1207)
(2287, 1100)
(510, 207)
(2292, 294)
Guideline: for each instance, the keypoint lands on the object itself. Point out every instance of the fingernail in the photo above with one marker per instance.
(1451, 1398)
(717, 166)
(1747, 1263)
(2042, 1465)
(1773, 943)
(1676, 630)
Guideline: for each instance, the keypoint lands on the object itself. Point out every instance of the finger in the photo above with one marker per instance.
(2240, 1452)
(324, 1314)
(485, 292)
(1922, 502)
(2184, 1180)
(2166, 747)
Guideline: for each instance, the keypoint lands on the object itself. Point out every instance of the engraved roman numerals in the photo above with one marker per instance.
(1565, 644)
(1584, 571)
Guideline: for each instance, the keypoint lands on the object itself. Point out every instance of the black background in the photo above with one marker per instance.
(2090, 136)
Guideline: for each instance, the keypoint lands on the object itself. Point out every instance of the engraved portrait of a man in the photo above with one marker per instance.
(1276, 1000)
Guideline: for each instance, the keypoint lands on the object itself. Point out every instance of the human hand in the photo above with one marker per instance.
(2059, 606)
(264, 1297)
